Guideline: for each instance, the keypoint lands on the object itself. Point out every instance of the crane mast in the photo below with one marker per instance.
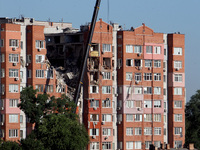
(87, 48)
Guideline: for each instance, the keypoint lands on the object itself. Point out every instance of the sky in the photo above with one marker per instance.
(167, 16)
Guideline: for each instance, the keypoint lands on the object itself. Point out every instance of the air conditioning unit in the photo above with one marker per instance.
(118, 108)
(92, 99)
(139, 68)
(26, 64)
(14, 48)
(14, 64)
(94, 137)
(165, 110)
(1, 123)
(136, 82)
(16, 79)
(149, 68)
(139, 109)
(102, 52)
(139, 54)
(116, 95)
(39, 50)
(118, 122)
(107, 99)
(2, 108)
(106, 138)
(177, 69)
(164, 70)
(146, 106)
(95, 108)
(102, 122)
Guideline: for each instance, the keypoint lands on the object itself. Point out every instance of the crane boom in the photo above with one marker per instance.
(87, 48)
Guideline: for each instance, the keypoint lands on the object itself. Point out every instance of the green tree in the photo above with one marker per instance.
(192, 117)
(56, 124)
(9, 145)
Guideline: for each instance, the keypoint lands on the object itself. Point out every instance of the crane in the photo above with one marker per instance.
(87, 48)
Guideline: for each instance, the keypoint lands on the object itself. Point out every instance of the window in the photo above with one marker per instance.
(106, 131)
(21, 45)
(147, 117)
(106, 48)
(164, 91)
(60, 88)
(157, 131)
(21, 119)
(106, 104)
(138, 145)
(128, 90)
(137, 49)
(13, 102)
(2, 72)
(177, 64)
(106, 75)
(157, 90)
(49, 88)
(157, 76)
(21, 133)
(137, 90)
(129, 76)
(147, 104)
(129, 49)
(14, 43)
(2, 88)
(178, 78)
(28, 58)
(1, 43)
(138, 117)
(106, 117)
(49, 73)
(157, 143)
(178, 117)
(149, 49)
(138, 104)
(39, 44)
(94, 117)
(177, 91)
(164, 78)
(177, 51)
(147, 144)
(94, 103)
(119, 117)
(119, 145)
(138, 62)
(129, 104)
(13, 58)
(39, 58)
(177, 104)
(138, 131)
(147, 90)
(39, 87)
(13, 88)
(94, 146)
(119, 63)
(147, 131)
(157, 104)
(106, 145)
(13, 73)
(29, 73)
(1, 102)
(157, 63)
(39, 73)
(178, 144)
(148, 63)
(178, 130)
(94, 132)
(129, 62)
(94, 89)
(129, 131)
(157, 50)
(2, 58)
(106, 89)
(13, 118)
(157, 117)
(129, 118)
(129, 145)
(13, 133)
(138, 76)
(147, 76)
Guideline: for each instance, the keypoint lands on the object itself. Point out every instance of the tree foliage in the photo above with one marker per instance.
(192, 117)
(56, 124)
(9, 145)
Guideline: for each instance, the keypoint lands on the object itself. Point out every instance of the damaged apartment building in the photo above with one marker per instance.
(133, 91)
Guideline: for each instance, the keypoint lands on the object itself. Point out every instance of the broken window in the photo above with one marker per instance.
(60, 88)
(39, 58)
(94, 77)
(106, 63)
(129, 62)
(94, 47)
(93, 63)
(49, 73)
(94, 89)
(138, 62)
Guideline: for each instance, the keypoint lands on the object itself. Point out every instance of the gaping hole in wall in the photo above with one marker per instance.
(94, 77)
(106, 63)
(93, 63)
